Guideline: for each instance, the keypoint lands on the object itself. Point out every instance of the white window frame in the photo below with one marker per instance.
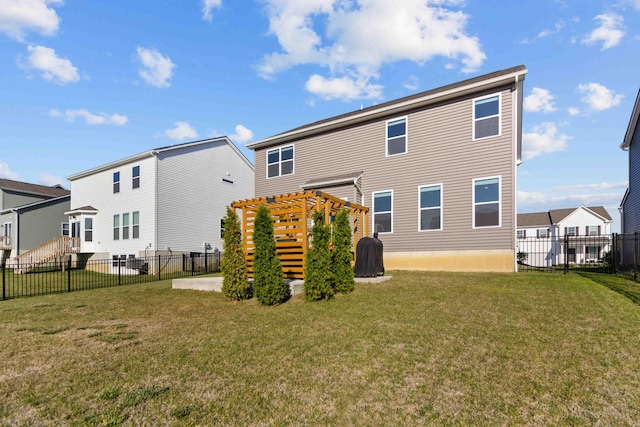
(595, 230)
(373, 222)
(473, 208)
(499, 115)
(406, 136)
(6, 229)
(125, 227)
(545, 231)
(62, 229)
(135, 179)
(520, 234)
(439, 207)
(88, 229)
(293, 160)
(569, 231)
(116, 219)
(135, 225)
(116, 184)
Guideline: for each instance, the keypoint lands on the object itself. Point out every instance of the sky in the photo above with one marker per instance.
(84, 83)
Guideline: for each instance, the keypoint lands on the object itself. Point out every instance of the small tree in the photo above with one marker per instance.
(268, 280)
(341, 256)
(317, 275)
(234, 284)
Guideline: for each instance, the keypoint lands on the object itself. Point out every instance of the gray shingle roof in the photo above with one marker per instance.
(26, 187)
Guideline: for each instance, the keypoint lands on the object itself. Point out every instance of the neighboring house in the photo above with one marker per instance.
(577, 235)
(437, 170)
(630, 206)
(165, 200)
(30, 215)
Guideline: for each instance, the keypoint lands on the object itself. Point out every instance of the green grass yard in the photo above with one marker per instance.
(421, 349)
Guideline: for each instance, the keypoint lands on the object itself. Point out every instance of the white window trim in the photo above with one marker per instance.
(546, 230)
(113, 183)
(406, 136)
(133, 177)
(473, 116)
(441, 185)
(62, 229)
(373, 220)
(473, 205)
(293, 170)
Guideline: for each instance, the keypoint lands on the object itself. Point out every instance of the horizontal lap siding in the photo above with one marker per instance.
(440, 150)
(632, 204)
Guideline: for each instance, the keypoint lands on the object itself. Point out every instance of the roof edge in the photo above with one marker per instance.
(633, 122)
(494, 79)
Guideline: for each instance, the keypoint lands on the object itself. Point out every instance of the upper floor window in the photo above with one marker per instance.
(65, 229)
(125, 226)
(116, 227)
(521, 234)
(571, 231)
(486, 117)
(6, 229)
(383, 212)
(280, 161)
(486, 202)
(430, 207)
(543, 233)
(116, 182)
(135, 224)
(88, 229)
(397, 136)
(593, 230)
(135, 173)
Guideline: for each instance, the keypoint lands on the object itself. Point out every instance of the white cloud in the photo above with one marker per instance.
(354, 39)
(157, 70)
(17, 17)
(598, 97)
(633, 3)
(543, 139)
(208, 6)
(557, 28)
(539, 100)
(50, 180)
(610, 31)
(183, 130)
(7, 173)
(573, 111)
(411, 83)
(91, 119)
(597, 186)
(557, 198)
(53, 68)
(242, 134)
(344, 88)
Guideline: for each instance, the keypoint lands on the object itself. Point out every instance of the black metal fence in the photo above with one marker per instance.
(562, 254)
(626, 254)
(67, 275)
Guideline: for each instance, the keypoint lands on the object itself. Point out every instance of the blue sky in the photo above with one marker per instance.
(84, 83)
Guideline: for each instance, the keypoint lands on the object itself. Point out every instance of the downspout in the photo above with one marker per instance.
(514, 234)
(154, 153)
(16, 232)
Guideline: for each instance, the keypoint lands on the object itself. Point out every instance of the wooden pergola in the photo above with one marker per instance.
(292, 221)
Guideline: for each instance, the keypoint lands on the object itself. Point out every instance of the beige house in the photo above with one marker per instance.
(437, 170)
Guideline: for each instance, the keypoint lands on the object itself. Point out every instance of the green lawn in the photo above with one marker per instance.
(421, 349)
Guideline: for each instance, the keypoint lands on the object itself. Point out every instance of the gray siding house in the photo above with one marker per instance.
(437, 170)
(30, 215)
(630, 206)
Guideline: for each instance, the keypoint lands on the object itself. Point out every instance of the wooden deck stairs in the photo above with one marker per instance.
(47, 252)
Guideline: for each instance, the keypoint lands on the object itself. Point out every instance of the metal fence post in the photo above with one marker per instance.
(193, 262)
(4, 289)
(566, 253)
(69, 274)
(119, 266)
(159, 267)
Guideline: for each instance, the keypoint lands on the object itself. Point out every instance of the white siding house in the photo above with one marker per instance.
(168, 199)
(576, 235)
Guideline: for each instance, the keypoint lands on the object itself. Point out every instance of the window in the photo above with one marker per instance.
(397, 136)
(543, 233)
(135, 173)
(430, 207)
(280, 161)
(571, 231)
(486, 117)
(75, 229)
(592, 252)
(6, 229)
(116, 227)
(116, 182)
(486, 202)
(521, 234)
(125, 226)
(593, 230)
(383, 212)
(88, 229)
(65, 229)
(136, 224)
